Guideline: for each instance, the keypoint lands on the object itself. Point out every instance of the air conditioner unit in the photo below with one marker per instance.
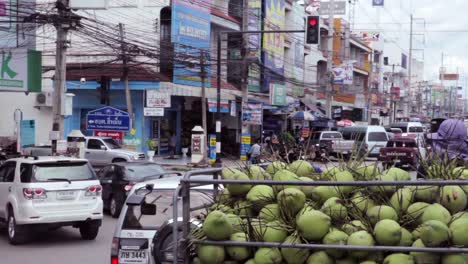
(44, 99)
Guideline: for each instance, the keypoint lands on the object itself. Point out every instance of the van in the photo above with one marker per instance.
(369, 139)
(409, 127)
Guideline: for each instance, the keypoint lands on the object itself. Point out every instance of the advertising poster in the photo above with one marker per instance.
(246, 140)
(28, 133)
(255, 10)
(252, 113)
(21, 70)
(343, 74)
(191, 30)
(212, 152)
(273, 43)
(277, 94)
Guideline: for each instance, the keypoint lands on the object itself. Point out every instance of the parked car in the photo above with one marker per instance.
(143, 233)
(392, 132)
(99, 151)
(369, 139)
(49, 192)
(402, 151)
(332, 143)
(117, 179)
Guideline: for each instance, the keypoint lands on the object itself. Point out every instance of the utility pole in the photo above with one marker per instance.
(60, 73)
(203, 76)
(442, 76)
(410, 58)
(331, 33)
(128, 94)
(392, 96)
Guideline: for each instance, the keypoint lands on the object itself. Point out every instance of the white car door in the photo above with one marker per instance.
(95, 152)
(7, 176)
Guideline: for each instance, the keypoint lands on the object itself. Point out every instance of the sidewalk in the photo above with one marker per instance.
(179, 161)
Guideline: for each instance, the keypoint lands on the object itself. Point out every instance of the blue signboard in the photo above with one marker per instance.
(28, 133)
(191, 30)
(108, 118)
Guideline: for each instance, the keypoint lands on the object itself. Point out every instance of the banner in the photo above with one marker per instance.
(212, 150)
(273, 43)
(370, 36)
(252, 113)
(254, 44)
(191, 31)
(224, 108)
(343, 74)
(277, 94)
(233, 108)
(246, 140)
(212, 105)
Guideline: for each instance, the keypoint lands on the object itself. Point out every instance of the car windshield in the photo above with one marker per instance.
(69, 171)
(112, 144)
(401, 144)
(143, 170)
(200, 200)
(331, 135)
(416, 130)
(377, 136)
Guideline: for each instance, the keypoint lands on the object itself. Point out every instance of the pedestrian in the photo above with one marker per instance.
(255, 152)
(172, 145)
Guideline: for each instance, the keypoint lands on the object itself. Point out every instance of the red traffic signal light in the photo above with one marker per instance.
(312, 30)
(312, 21)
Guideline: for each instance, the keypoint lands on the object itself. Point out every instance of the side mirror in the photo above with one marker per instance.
(103, 147)
(148, 209)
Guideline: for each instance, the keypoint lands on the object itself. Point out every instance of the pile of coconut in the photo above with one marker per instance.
(412, 216)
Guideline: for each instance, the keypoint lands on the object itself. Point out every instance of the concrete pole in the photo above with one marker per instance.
(331, 33)
(203, 76)
(410, 61)
(128, 94)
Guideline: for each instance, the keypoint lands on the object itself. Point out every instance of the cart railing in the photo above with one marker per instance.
(189, 181)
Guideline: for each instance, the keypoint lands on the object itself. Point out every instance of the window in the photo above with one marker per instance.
(25, 172)
(112, 144)
(331, 135)
(377, 136)
(141, 171)
(95, 144)
(71, 171)
(416, 130)
(7, 172)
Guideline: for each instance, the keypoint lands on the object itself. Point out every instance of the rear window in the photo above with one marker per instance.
(403, 128)
(47, 172)
(416, 130)
(401, 144)
(377, 136)
(141, 171)
(199, 202)
(331, 136)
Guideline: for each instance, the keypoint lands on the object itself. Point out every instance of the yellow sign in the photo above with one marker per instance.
(246, 139)
(213, 141)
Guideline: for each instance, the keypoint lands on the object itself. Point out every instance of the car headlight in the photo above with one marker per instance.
(135, 156)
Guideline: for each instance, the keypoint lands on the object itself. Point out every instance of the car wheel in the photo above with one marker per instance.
(115, 206)
(89, 230)
(118, 160)
(16, 233)
(163, 245)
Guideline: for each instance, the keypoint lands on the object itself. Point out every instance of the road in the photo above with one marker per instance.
(63, 246)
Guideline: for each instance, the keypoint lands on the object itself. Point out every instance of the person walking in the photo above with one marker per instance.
(255, 152)
(172, 145)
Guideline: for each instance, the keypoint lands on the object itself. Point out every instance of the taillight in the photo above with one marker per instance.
(34, 193)
(114, 260)
(128, 187)
(93, 190)
(115, 250)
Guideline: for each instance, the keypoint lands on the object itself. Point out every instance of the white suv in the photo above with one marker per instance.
(47, 193)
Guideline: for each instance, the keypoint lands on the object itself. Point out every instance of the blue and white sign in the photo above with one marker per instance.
(108, 118)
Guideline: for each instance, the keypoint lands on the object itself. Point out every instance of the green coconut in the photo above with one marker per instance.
(228, 173)
(377, 257)
(436, 212)
(236, 222)
(320, 257)
(236, 252)
(347, 260)
(211, 254)
(276, 166)
(260, 195)
(243, 208)
(327, 174)
(307, 190)
(459, 230)
(459, 215)
(301, 168)
(353, 227)
(313, 225)
(416, 210)
(250, 261)
(334, 207)
(322, 193)
(291, 201)
(398, 174)
(368, 262)
(335, 237)
(380, 212)
(367, 172)
(255, 227)
(294, 255)
(406, 238)
(401, 200)
(268, 256)
(455, 259)
(387, 232)
(453, 198)
(426, 194)
(344, 176)
(384, 189)
(417, 232)
(221, 207)
(217, 226)
(269, 213)
(362, 202)
(239, 189)
(399, 258)
(258, 173)
(284, 175)
(424, 257)
(224, 197)
(360, 238)
(434, 233)
(275, 232)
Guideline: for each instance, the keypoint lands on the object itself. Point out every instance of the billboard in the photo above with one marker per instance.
(298, 50)
(273, 43)
(343, 74)
(190, 33)
(21, 70)
(254, 44)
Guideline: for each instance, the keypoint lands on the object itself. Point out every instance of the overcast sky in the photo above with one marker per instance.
(440, 17)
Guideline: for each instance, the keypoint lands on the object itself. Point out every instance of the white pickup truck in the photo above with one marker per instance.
(99, 151)
(332, 143)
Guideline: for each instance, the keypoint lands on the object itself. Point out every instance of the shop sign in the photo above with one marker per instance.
(131, 142)
(21, 70)
(108, 118)
(233, 108)
(115, 135)
(62, 147)
(158, 98)
(213, 103)
(305, 130)
(340, 8)
(343, 74)
(245, 145)
(147, 111)
(252, 113)
(212, 148)
(196, 144)
(277, 94)
(224, 106)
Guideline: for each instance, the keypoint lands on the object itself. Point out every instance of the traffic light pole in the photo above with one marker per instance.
(331, 34)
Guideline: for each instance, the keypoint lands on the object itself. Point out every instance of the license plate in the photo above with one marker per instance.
(132, 257)
(66, 195)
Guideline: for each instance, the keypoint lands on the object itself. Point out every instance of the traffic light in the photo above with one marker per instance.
(103, 90)
(313, 30)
